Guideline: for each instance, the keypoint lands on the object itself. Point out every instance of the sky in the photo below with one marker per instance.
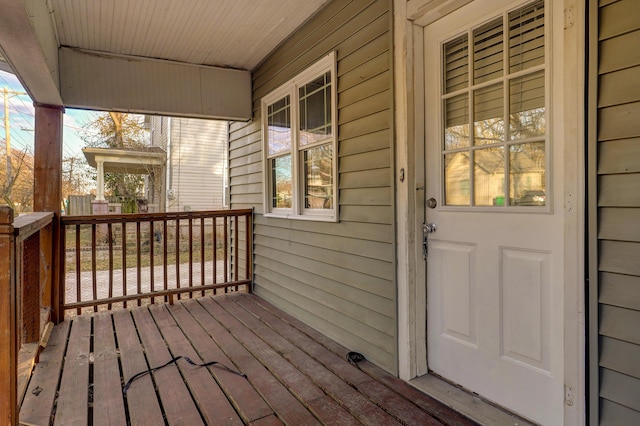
(21, 115)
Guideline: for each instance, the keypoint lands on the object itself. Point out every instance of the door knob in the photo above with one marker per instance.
(431, 203)
(429, 228)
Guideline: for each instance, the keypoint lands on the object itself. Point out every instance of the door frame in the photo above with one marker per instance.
(410, 17)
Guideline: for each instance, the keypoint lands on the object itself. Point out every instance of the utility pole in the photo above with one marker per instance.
(7, 135)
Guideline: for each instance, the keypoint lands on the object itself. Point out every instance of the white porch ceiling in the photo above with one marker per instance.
(201, 35)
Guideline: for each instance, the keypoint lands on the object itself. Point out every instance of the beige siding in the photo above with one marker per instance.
(618, 201)
(196, 161)
(337, 277)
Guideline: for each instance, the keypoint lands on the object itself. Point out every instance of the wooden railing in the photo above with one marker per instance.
(109, 260)
(26, 272)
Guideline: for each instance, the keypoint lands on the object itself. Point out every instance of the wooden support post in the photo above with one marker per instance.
(47, 191)
(8, 326)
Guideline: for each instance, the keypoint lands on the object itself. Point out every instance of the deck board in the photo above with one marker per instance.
(293, 375)
(108, 403)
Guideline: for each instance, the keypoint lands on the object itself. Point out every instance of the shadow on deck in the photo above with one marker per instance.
(294, 375)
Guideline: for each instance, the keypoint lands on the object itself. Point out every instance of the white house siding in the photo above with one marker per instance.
(618, 169)
(337, 277)
(196, 163)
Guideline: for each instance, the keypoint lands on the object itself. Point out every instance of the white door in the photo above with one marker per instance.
(495, 261)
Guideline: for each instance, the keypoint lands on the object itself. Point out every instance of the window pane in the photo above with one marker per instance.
(282, 186)
(527, 175)
(318, 177)
(456, 178)
(526, 106)
(315, 110)
(456, 132)
(456, 64)
(279, 126)
(526, 37)
(487, 51)
(489, 176)
(488, 115)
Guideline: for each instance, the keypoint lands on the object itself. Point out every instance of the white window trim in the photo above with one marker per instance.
(297, 210)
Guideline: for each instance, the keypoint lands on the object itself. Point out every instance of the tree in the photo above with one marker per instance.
(16, 190)
(120, 131)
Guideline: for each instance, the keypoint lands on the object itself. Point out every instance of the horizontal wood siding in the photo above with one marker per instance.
(619, 212)
(337, 277)
(198, 158)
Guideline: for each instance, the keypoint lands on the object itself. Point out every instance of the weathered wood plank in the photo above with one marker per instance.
(38, 403)
(243, 396)
(278, 397)
(178, 406)
(141, 399)
(73, 403)
(211, 400)
(108, 402)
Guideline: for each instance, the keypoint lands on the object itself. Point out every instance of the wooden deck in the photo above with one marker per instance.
(294, 375)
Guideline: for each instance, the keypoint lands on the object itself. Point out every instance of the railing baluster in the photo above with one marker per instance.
(248, 250)
(165, 254)
(124, 262)
(178, 255)
(235, 250)
(110, 242)
(226, 251)
(94, 266)
(78, 269)
(152, 243)
(190, 256)
(138, 260)
(202, 253)
(215, 251)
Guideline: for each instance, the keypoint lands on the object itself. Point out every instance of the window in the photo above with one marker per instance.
(299, 134)
(494, 142)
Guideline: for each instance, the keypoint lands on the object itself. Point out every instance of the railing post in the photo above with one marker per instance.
(8, 326)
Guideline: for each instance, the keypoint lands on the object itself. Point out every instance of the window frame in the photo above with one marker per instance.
(291, 88)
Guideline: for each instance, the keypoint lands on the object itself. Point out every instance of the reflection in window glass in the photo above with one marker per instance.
(488, 176)
(527, 174)
(456, 132)
(456, 64)
(279, 126)
(281, 181)
(488, 51)
(456, 175)
(488, 115)
(526, 106)
(318, 180)
(315, 110)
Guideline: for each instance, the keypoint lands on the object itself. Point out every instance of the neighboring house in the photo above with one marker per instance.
(196, 175)
(451, 187)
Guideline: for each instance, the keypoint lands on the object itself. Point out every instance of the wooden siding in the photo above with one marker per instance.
(196, 163)
(337, 277)
(618, 201)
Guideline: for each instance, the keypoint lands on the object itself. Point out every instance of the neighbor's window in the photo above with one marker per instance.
(300, 145)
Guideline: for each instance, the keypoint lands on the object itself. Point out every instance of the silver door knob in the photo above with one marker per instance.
(431, 203)
(429, 228)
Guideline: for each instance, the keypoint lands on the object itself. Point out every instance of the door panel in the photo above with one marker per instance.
(495, 261)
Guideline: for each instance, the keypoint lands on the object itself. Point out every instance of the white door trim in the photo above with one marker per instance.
(410, 16)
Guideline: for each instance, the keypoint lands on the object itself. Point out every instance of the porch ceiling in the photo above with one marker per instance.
(95, 53)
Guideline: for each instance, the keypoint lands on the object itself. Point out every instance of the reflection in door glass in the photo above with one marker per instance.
(488, 176)
(456, 175)
(488, 115)
(456, 132)
(527, 174)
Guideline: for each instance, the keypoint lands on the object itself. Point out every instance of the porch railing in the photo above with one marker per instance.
(26, 272)
(110, 260)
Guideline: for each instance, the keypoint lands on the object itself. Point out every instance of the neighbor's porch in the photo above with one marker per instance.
(294, 375)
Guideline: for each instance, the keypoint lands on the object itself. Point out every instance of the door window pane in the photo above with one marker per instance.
(488, 115)
(456, 67)
(318, 181)
(488, 176)
(527, 162)
(457, 176)
(526, 37)
(456, 132)
(281, 182)
(488, 51)
(526, 106)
